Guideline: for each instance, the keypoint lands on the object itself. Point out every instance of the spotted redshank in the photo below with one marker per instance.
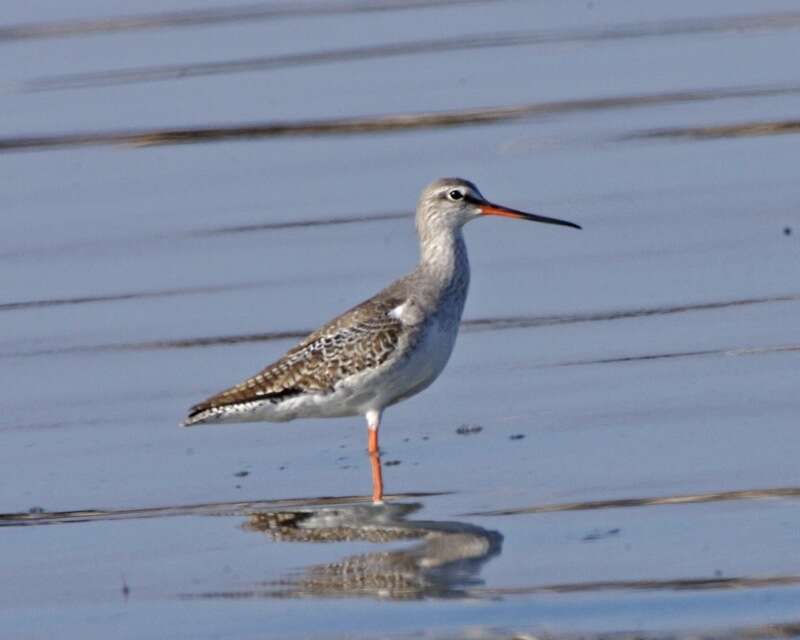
(384, 350)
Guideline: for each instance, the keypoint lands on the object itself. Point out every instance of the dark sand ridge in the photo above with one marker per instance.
(382, 124)
(36, 517)
(466, 42)
(475, 324)
(715, 132)
(250, 12)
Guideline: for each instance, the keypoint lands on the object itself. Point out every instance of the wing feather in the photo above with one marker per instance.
(359, 339)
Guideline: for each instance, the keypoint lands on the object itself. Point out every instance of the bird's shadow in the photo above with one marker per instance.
(445, 563)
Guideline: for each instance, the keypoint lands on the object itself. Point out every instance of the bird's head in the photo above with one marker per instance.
(449, 203)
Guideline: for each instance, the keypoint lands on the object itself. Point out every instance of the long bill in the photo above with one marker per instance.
(489, 209)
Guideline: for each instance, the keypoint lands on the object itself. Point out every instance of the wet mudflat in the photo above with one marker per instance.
(190, 188)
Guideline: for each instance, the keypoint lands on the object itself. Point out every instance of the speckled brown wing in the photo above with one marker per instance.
(359, 339)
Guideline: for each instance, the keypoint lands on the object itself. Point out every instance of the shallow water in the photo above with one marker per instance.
(187, 193)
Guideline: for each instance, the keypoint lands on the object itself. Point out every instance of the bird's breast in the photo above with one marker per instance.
(425, 359)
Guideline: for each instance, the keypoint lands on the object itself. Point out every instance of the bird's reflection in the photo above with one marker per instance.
(444, 564)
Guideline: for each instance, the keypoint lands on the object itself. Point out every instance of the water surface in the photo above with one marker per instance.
(191, 187)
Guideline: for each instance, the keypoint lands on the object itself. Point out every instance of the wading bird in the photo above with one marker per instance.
(384, 350)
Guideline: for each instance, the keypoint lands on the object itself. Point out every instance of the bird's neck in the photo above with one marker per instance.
(443, 258)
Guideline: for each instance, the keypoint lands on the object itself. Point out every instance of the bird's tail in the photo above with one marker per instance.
(202, 415)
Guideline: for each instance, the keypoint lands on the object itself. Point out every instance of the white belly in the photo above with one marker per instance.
(424, 364)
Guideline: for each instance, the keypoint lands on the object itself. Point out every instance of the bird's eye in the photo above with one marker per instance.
(455, 194)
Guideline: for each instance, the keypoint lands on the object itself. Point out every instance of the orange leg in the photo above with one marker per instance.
(377, 478)
(373, 422)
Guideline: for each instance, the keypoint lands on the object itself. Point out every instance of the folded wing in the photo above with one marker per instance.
(360, 339)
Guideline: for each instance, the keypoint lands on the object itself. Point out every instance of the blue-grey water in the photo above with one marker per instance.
(153, 251)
